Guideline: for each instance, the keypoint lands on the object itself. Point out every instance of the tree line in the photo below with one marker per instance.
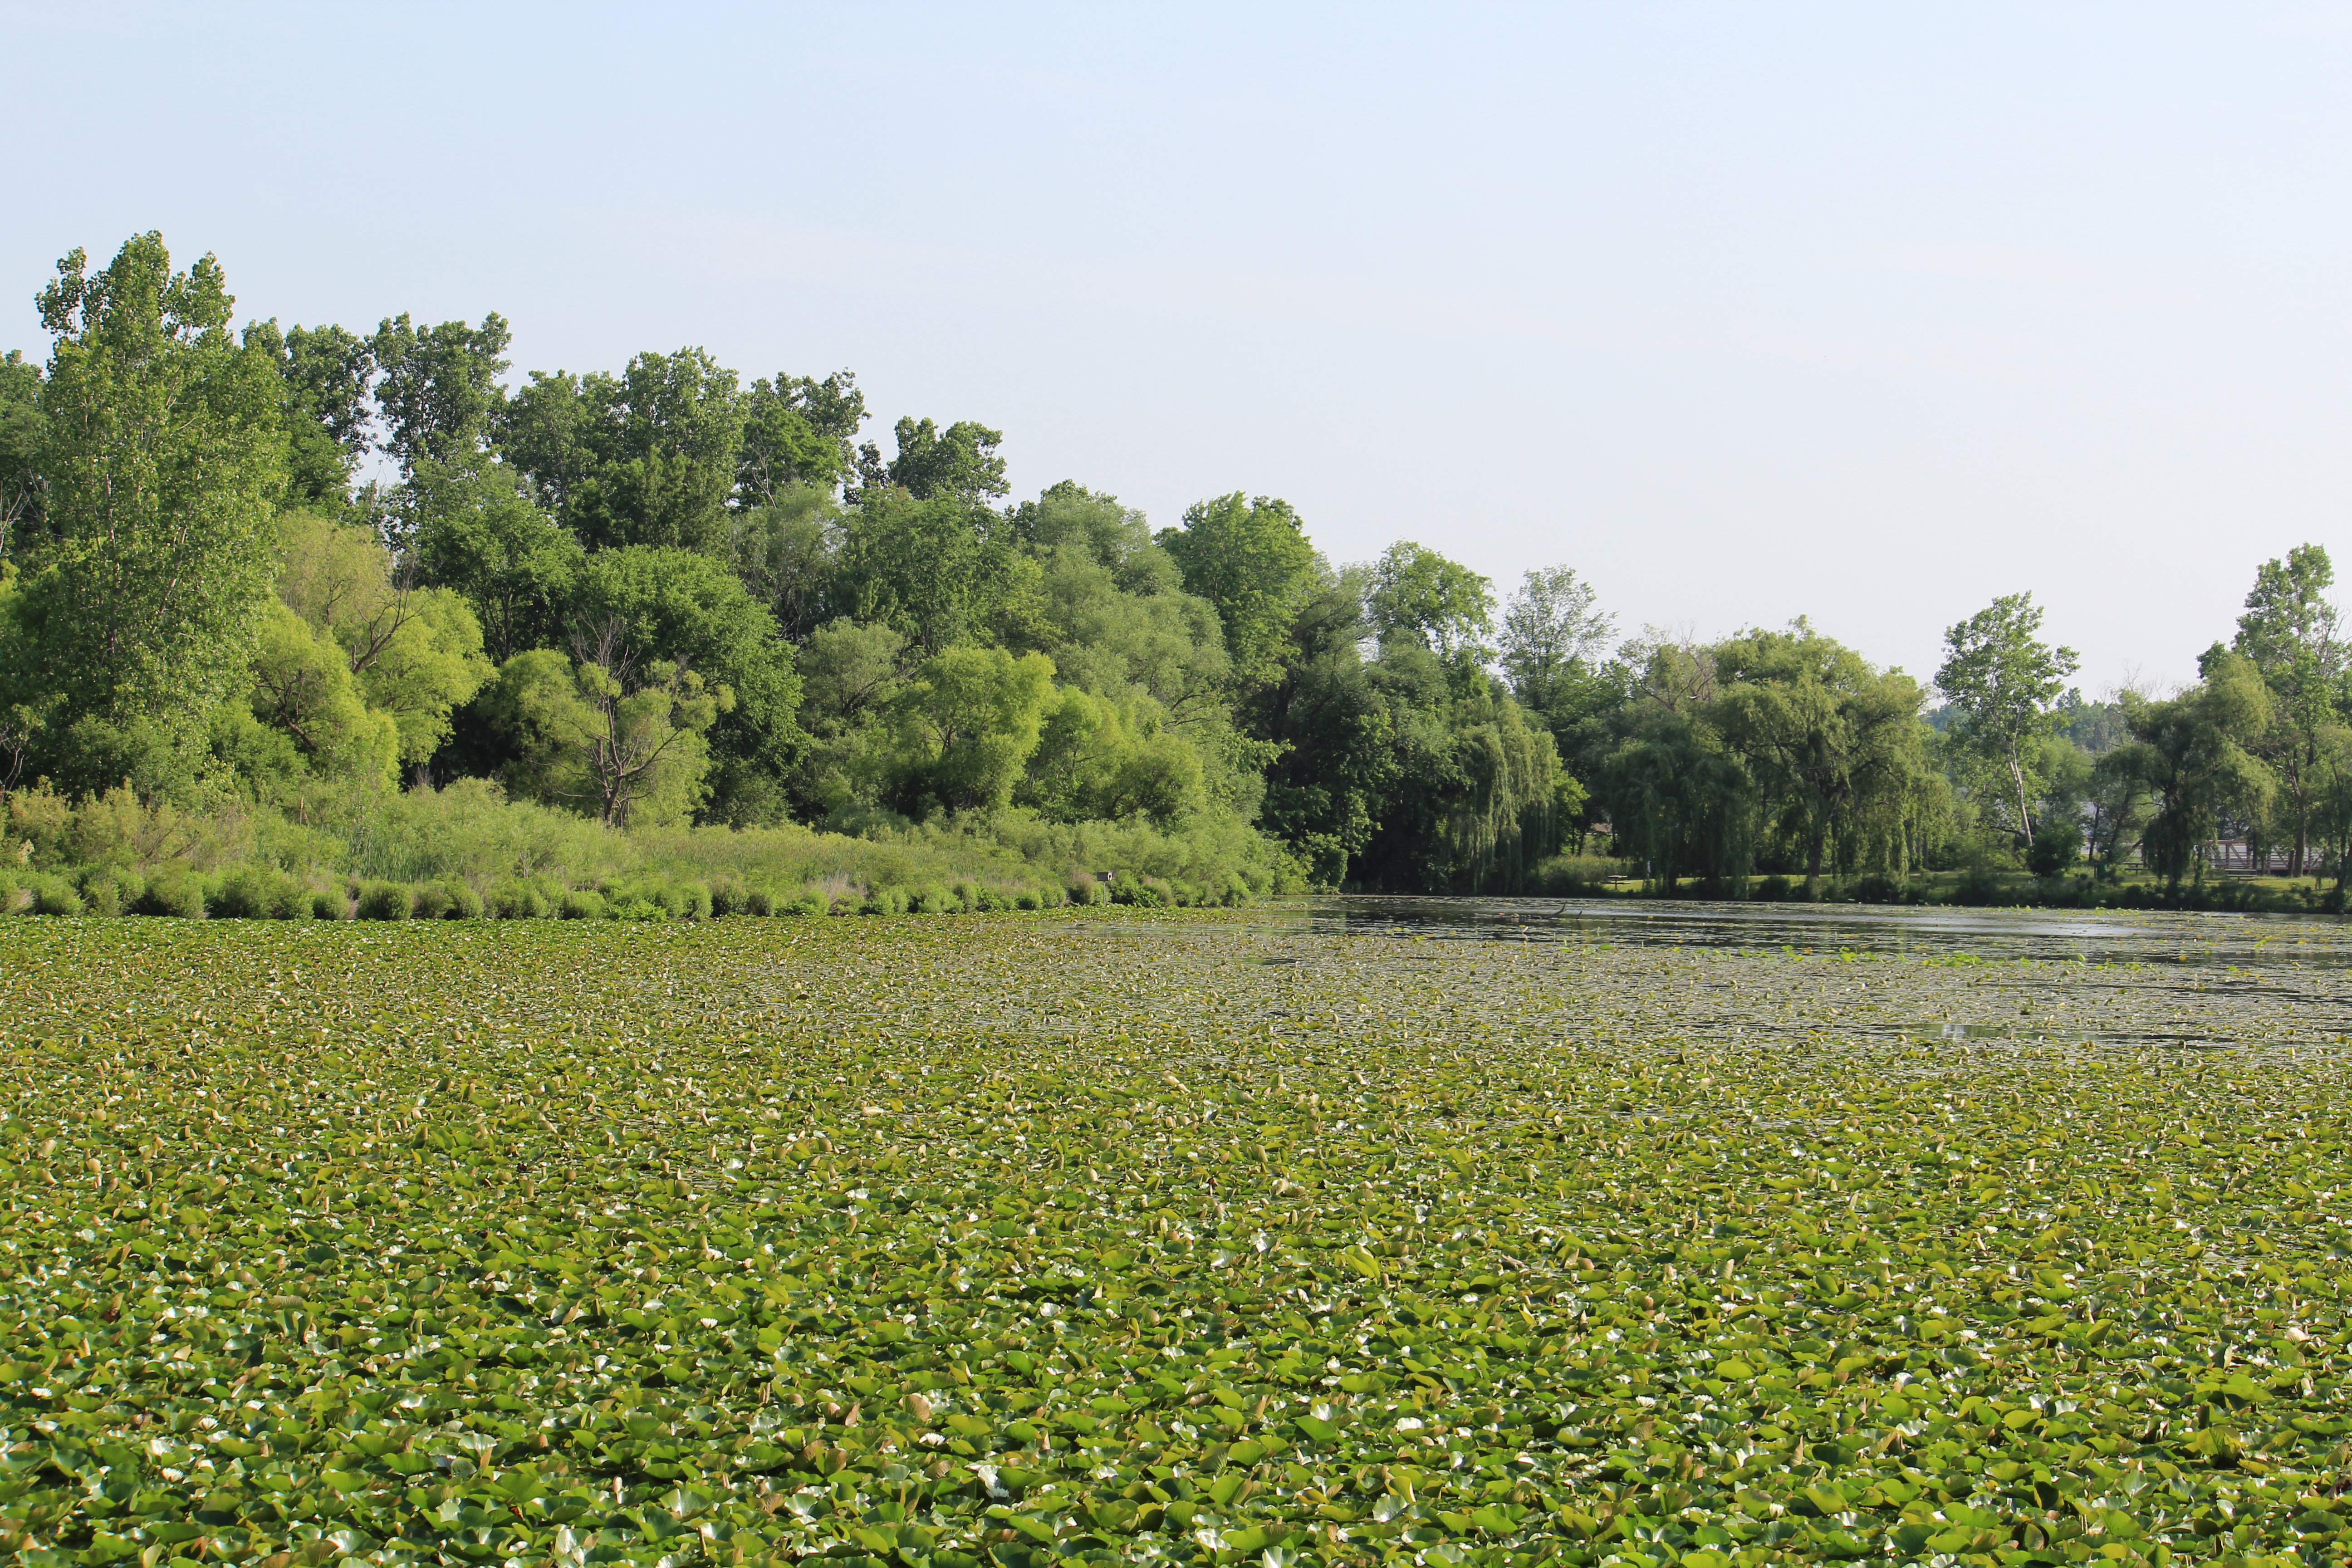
(301, 568)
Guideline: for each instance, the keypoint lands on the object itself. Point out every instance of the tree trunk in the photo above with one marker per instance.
(2017, 771)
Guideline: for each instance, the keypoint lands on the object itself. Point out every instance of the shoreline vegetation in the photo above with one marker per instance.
(312, 618)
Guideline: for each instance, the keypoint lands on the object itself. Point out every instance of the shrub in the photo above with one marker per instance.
(1028, 899)
(2057, 844)
(727, 896)
(110, 890)
(1085, 890)
(759, 901)
(431, 902)
(582, 904)
(8, 889)
(330, 904)
(289, 901)
(247, 893)
(174, 891)
(464, 904)
(512, 901)
(386, 901)
(1880, 889)
(809, 903)
(695, 900)
(1770, 890)
(885, 901)
(52, 896)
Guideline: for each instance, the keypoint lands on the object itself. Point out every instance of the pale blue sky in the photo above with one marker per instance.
(1863, 311)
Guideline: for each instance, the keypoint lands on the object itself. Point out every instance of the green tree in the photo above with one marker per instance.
(1553, 636)
(1808, 717)
(2003, 681)
(20, 448)
(1417, 594)
(438, 388)
(935, 570)
(415, 653)
(598, 732)
(786, 553)
(1104, 760)
(646, 457)
(303, 688)
(2289, 632)
(850, 673)
(966, 726)
(1474, 784)
(161, 460)
(2191, 757)
(798, 431)
(477, 532)
(327, 372)
(674, 606)
(1251, 560)
(958, 462)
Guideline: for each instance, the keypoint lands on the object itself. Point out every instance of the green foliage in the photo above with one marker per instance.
(798, 433)
(2057, 845)
(1418, 595)
(2190, 755)
(552, 1230)
(477, 533)
(673, 606)
(627, 744)
(965, 727)
(437, 391)
(1251, 561)
(959, 463)
(2003, 683)
(647, 458)
(161, 458)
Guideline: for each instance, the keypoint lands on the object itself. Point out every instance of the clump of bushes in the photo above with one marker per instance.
(260, 891)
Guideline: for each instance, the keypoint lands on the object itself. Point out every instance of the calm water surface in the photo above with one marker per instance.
(2103, 936)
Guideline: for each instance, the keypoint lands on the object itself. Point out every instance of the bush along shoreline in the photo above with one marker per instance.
(251, 892)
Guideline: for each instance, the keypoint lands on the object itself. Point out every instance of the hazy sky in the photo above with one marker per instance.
(1868, 313)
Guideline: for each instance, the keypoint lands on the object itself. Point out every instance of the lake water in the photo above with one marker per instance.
(2102, 936)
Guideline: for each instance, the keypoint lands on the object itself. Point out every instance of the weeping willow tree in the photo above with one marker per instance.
(1474, 802)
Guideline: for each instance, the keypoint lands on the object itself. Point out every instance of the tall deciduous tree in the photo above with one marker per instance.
(1249, 558)
(1552, 635)
(2004, 681)
(438, 388)
(2289, 631)
(648, 457)
(162, 460)
(1418, 594)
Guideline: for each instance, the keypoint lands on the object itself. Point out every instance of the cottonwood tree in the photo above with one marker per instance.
(1418, 594)
(2289, 631)
(1552, 634)
(2003, 682)
(1251, 559)
(162, 458)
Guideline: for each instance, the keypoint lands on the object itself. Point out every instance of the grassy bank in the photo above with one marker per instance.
(466, 851)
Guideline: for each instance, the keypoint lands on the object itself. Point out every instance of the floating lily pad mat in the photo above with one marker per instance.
(1137, 1238)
